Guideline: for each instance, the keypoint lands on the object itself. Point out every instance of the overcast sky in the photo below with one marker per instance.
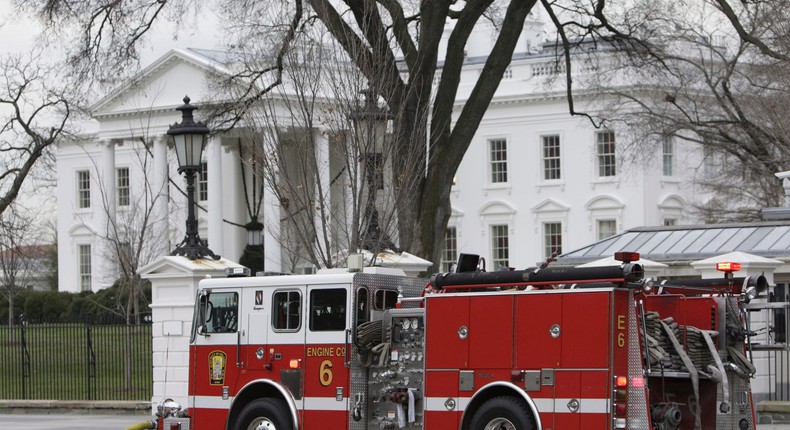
(17, 34)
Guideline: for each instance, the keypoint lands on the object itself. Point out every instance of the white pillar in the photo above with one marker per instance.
(174, 281)
(323, 189)
(214, 159)
(160, 189)
(109, 224)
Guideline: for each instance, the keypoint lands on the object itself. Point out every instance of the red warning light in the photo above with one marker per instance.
(626, 257)
(728, 267)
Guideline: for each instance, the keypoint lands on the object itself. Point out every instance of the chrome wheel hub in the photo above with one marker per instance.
(261, 424)
(500, 424)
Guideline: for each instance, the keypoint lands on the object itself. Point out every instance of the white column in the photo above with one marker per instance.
(321, 148)
(214, 159)
(109, 225)
(160, 189)
(174, 282)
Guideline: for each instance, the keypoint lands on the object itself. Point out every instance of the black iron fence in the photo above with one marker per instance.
(777, 369)
(76, 361)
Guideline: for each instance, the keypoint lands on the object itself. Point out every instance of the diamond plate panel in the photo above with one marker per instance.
(637, 399)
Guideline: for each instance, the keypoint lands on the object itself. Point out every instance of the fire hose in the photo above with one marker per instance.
(143, 426)
(370, 342)
(691, 369)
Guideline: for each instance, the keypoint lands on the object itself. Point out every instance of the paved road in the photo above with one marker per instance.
(70, 422)
(121, 422)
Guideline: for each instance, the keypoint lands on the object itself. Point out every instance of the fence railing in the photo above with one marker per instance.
(770, 349)
(76, 361)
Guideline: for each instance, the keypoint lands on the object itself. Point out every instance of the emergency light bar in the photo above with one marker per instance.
(728, 267)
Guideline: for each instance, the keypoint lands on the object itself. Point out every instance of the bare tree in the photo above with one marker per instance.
(396, 46)
(19, 258)
(374, 35)
(321, 146)
(692, 79)
(34, 114)
(128, 238)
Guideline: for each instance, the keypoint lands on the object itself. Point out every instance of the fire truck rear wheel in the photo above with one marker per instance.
(264, 414)
(503, 413)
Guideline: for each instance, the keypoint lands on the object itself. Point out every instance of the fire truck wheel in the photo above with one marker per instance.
(502, 413)
(264, 414)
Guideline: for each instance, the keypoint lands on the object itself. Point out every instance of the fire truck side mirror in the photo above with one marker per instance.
(203, 308)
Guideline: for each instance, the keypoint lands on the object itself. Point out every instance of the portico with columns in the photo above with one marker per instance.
(121, 183)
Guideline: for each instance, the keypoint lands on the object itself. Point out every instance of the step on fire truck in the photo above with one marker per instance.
(537, 349)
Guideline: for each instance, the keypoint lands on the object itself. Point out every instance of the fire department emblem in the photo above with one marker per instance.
(216, 367)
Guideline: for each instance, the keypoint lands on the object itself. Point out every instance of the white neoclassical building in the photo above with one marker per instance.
(535, 180)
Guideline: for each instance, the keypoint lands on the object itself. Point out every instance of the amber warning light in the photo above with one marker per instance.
(728, 267)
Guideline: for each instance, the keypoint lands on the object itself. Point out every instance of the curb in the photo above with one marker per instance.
(773, 412)
(85, 407)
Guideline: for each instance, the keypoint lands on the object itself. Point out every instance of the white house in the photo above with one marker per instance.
(535, 180)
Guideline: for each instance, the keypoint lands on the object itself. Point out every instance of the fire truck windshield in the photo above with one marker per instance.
(217, 312)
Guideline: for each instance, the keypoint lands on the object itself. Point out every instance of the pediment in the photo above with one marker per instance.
(672, 202)
(550, 205)
(497, 208)
(160, 86)
(604, 202)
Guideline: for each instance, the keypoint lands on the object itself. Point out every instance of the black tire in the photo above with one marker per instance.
(264, 414)
(503, 413)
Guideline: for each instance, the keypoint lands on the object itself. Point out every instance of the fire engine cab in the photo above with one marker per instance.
(536, 349)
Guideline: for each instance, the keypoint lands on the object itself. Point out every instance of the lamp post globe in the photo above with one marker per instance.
(189, 138)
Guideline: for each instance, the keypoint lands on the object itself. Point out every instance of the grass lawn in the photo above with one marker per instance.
(64, 362)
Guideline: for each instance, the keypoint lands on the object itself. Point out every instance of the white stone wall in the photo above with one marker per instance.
(174, 282)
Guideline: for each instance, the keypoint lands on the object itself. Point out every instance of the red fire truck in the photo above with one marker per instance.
(537, 349)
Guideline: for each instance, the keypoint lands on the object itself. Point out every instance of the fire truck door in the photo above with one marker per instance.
(217, 358)
(326, 377)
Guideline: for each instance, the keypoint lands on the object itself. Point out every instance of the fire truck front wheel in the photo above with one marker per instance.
(264, 414)
(503, 413)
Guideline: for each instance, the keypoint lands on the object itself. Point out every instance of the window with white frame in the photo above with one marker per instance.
(84, 252)
(83, 189)
(203, 182)
(551, 157)
(606, 228)
(500, 246)
(667, 156)
(607, 162)
(450, 251)
(122, 186)
(671, 210)
(552, 238)
(497, 150)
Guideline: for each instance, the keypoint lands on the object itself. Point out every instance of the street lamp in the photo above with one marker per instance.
(189, 138)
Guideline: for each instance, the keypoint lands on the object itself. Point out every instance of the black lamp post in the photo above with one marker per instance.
(189, 138)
